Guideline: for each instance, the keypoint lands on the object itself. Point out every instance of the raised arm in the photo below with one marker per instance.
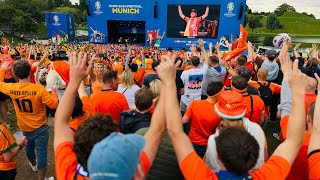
(296, 128)
(78, 72)
(217, 47)
(180, 12)
(157, 128)
(180, 141)
(295, 49)
(250, 52)
(285, 48)
(315, 138)
(206, 13)
(204, 52)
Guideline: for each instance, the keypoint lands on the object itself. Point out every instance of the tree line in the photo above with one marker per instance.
(23, 16)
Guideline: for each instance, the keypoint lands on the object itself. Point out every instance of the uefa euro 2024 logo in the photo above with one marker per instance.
(230, 8)
(98, 7)
(56, 20)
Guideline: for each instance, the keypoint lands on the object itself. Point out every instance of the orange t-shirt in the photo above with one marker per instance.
(6, 144)
(204, 121)
(314, 166)
(192, 26)
(138, 76)
(309, 99)
(7, 58)
(275, 88)
(29, 102)
(299, 169)
(258, 107)
(96, 86)
(110, 102)
(66, 162)
(119, 68)
(193, 167)
(88, 110)
(33, 70)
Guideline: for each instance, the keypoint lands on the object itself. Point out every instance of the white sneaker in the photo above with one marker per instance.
(34, 168)
(49, 178)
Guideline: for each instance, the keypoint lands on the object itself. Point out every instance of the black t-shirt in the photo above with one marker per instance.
(150, 77)
(179, 82)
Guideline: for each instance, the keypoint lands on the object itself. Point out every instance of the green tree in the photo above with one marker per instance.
(284, 8)
(273, 22)
(254, 22)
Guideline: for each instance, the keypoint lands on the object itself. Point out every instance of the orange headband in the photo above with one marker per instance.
(216, 95)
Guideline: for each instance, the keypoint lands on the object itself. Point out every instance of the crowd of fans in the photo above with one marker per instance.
(131, 112)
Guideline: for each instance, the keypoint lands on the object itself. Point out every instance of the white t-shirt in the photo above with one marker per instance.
(253, 128)
(192, 80)
(129, 94)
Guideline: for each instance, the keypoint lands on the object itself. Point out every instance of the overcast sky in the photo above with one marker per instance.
(309, 6)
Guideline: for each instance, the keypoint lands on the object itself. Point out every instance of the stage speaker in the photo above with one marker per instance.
(88, 8)
(155, 10)
(241, 10)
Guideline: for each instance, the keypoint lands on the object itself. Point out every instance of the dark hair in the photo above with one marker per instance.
(214, 59)
(32, 56)
(237, 149)
(313, 63)
(244, 72)
(93, 130)
(179, 59)
(241, 61)
(155, 64)
(214, 88)
(195, 61)
(143, 99)
(78, 108)
(133, 67)
(239, 82)
(109, 75)
(22, 69)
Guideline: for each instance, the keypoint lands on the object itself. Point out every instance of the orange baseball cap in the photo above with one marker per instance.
(230, 106)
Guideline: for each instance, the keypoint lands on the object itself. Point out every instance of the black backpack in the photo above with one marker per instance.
(265, 93)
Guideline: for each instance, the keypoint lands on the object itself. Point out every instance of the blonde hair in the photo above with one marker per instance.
(155, 87)
(127, 79)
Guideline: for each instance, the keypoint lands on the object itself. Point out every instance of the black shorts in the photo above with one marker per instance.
(4, 97)
(8, 175)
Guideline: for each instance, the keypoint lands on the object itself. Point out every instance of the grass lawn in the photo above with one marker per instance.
(294, 23)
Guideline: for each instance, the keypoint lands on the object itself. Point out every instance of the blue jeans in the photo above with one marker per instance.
(200, 150)
(38, 144)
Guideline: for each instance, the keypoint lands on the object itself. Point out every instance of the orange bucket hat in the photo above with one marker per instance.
(230, 106)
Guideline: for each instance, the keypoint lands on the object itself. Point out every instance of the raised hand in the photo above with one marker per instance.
(78, 70)
(201, 43)
(286, 66)
(297, 47)
(297, 80)
(167, 69)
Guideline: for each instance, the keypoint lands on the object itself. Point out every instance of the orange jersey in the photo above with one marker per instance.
(6, 144)
(7, 58)
(192, 26)
(110, 102)
(66, 162)
(138, 76)
(193, 167)
(204, 121)
(257, 105)
(29, 102)
(314, 166)
(96, 86)
(119, 68)
(299, 169)
(88, 110)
